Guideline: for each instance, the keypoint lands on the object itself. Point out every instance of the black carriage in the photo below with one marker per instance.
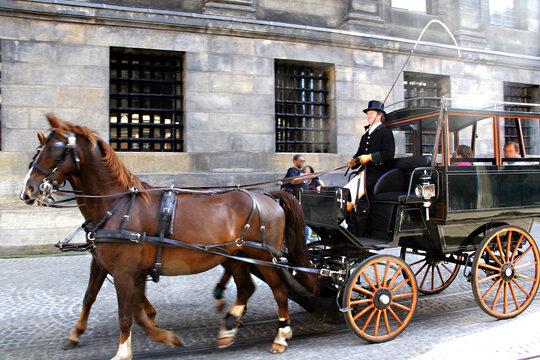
(443, 212)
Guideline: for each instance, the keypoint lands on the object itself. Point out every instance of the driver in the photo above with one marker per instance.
(376, 150)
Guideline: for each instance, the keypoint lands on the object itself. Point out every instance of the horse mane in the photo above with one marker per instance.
(118, 170)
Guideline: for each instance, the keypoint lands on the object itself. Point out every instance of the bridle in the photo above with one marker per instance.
(58, 151)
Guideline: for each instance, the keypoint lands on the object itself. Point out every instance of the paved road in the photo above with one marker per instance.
(40, 300)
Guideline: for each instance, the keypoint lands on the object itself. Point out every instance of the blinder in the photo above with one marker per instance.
(58, 150)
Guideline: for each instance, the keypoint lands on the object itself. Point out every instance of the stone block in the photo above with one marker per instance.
(15, 117)
(208, 142)
(346, 108)
(208, 102)
(105, 36)
(253, 142)
(98, 76)
(232, 45)
(197, 81)
(149, 39)
(38, 118)
(83, 97)
(253, 65)
(18, 95)
(253, 104)
(197, 121)
(247, 123)
(15, 28)
(59, 75)
(219, 63)
(71, 33)
(29, 51)
(95, 119)
(195, 62)
(72, 54)
(21, 139)
(220, 122)
(270, 49)
(368, 58)
(191, 42)
(242, 84)
(344, 90)
(264, 85)
(15, 72)
(43, 30)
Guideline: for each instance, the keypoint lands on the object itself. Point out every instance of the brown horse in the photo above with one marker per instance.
(73, 150)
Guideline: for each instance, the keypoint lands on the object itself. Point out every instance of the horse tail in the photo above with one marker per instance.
(295, 238)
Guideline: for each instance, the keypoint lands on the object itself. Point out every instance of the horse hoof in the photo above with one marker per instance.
(176, 341)
(69, 344)
(277, 348)
(219, 305)
(225, 342)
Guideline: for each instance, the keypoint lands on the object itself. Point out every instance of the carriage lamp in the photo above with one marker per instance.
(426, 190)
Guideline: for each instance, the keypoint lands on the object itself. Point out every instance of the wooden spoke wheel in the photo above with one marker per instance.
(380, 306)
(433, 274)
(506, 272)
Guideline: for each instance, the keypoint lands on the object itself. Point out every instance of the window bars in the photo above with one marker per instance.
(302, 122)
(146, 102)
(519, 93)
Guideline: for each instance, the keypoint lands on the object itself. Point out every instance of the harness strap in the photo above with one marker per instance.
(131, 204)
(109, 213)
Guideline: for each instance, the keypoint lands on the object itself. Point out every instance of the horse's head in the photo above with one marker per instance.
(54, 161)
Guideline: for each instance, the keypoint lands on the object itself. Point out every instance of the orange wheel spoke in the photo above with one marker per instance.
(362, 290)
(424, 278)
(402, 295)
(489, 278)
(358, 302)
(395, 316)
(508, 243)
(501, 252)
(494, 256)
(377, 275)
(385, 277)
(369, 319)
(497, 296)
(520, 257)
(357, 316)
(516, 248)
(369, 281)
(417, 262)
(386, 322)
(513, 295)
(419, 270)
(520, 287)
(505, 298)
(490, 289)
(447, 268)
(432, 276)
(525, 277)
(440, 276)
(377, 321)
(398, 271)
(402, 307)
(524, 266)
(400, 285)
(489, 267)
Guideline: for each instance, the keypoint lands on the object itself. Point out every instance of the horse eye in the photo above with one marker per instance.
(57, 150)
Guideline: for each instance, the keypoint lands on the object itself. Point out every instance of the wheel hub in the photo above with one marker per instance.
(507, 272)
(382, 298)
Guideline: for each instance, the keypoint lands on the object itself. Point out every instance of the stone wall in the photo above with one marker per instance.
(55, 57)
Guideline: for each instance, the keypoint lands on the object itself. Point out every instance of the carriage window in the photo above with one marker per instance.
(526, 143)
(405, 137)
(145, 100)
(302, 107)
(472, 144)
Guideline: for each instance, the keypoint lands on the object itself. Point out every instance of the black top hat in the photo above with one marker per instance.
(375, 105)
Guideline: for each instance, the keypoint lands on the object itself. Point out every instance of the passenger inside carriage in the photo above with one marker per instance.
(511, 150)
(463, 152)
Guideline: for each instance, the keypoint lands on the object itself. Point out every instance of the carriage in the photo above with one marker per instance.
(443, 213)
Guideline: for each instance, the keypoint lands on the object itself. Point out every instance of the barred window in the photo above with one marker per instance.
(146, 100)
(411, 5)
(424, 90)
(520, 93)
(503, 13)
(302, 121)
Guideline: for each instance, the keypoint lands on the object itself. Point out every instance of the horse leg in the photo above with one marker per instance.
(245, 288)
(279, 289)
(95, 282)
(149, 310)
(141, 316)
(219, 289)
(125, 291)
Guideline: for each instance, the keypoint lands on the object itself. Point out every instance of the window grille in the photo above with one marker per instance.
(302, 122)
(503, 13)
(519, 93)
(429, 88)
(145, 100)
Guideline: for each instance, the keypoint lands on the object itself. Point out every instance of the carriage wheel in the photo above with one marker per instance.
(432, 274)
(506, 272)
(380, 306)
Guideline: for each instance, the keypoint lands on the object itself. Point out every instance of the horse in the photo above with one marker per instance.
(75, 151)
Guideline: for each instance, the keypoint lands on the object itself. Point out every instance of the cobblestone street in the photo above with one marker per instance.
(41, 300)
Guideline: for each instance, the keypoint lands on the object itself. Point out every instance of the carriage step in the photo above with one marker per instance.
(370, 242)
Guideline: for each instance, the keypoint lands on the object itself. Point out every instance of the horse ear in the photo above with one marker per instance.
(41, 137)
(54, 121)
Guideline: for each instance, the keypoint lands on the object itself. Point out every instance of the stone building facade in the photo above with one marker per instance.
(241, 84)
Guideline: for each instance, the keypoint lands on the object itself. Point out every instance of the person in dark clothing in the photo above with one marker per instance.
(295, 186)
(315, 183)
(377, 146)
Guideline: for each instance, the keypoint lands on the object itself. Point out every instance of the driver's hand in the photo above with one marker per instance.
(351, 162)
(365, 159)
